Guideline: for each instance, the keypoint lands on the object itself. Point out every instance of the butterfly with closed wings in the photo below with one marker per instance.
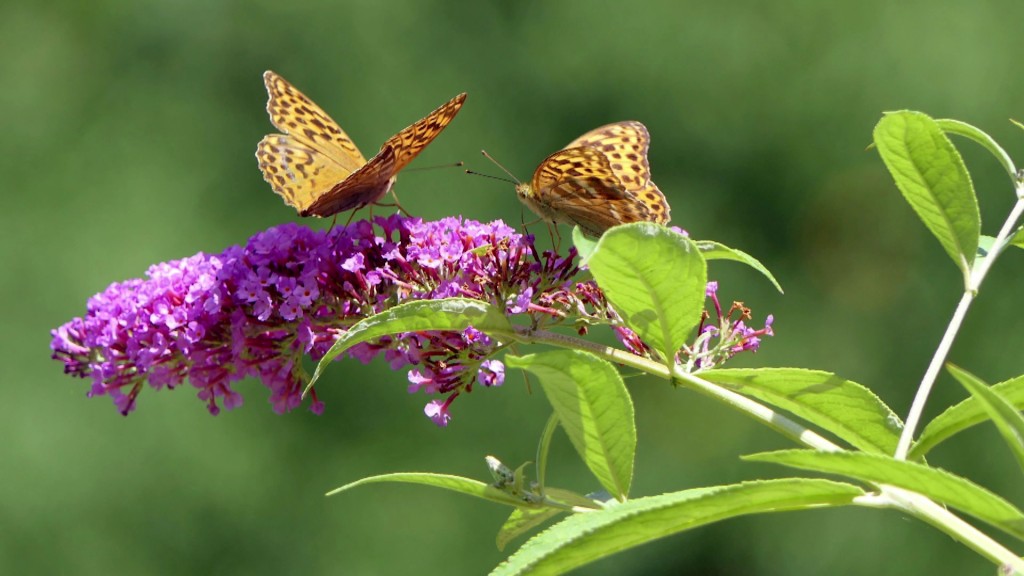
(599, 180)
(317, 169)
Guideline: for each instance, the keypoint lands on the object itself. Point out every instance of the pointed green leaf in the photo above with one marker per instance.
(418, 315)
(932, 177)
(964, 415)
(1018, 238)
(521, 521)
(987, 142)
(655, 279)
(584, 538)
(985, 244)
(585, 245)
(594, 408)
(716, 251)
(544, 447)
(844, 408)
(570, 498)
(1006, 418)
(939, 485)
(459, 484)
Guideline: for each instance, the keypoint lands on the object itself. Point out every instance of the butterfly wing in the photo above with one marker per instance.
(297, 172)
(364, 186)
(310, 165)
(578, 186)
(626, 145)
(408, 143)
(295, 114)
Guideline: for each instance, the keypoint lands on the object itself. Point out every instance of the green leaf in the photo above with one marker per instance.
(584, 538)
(447, 314)
(1006, 418)
(459, 484)
(968, 413)
(655, 279)
(595, 410)
(716, 251)
(934, 483)
(1018, 238)
(932, 177)
(570, 498)
(521, 521)
(585, 245)
(987, 142)
(985, 245)
(544, 447)
(844, 408)
(481, 249)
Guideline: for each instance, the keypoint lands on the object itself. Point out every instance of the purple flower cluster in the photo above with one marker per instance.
(290, 291)
(259, 309)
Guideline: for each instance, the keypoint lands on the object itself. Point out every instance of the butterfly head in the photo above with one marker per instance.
(524, 190)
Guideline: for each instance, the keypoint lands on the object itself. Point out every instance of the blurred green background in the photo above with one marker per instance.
(129, 136)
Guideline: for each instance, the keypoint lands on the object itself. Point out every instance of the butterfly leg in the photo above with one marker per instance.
(524, 223)
(352, 215)
(530, 223)
(395, 205)
(526, 380)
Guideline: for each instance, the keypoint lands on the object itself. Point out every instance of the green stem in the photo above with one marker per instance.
(908, 502)
(974, 280)
(774, 420)
(941, 518)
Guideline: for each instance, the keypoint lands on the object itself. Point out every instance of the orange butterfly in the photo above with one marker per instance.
(599, 180)
(316, 168)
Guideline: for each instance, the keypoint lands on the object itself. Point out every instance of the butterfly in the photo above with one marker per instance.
(599, 180)
(316, 168)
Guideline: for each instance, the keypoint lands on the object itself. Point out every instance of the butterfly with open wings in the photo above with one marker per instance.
(316, 168)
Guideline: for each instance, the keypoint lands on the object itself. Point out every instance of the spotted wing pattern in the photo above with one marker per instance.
(295, 114)
(626, 145)
(408, 143)
(316, 168)
(601, 179)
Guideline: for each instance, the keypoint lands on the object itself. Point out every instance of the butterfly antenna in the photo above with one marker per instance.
(493, 177)
(498, 164)
(452, 165)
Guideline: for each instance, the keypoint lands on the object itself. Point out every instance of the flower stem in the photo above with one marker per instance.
(778, 422)
(941, 518)
(911, 503)
(974, 280)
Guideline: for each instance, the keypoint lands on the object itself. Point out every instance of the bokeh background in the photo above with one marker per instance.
(129, 132)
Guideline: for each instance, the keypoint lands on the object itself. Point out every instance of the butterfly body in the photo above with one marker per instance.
(317, 169)
(599, 180)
